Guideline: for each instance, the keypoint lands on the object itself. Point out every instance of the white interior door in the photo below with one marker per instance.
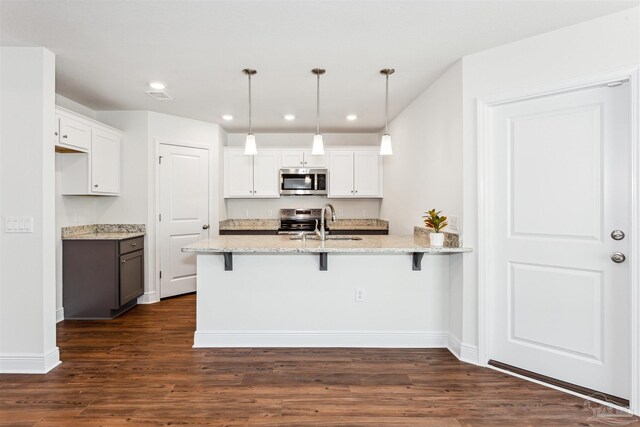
(560, 186)
(184, 210)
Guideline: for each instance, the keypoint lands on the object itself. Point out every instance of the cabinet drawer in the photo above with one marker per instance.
(131, 245)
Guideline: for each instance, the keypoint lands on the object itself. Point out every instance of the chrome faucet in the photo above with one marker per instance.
(322, 234)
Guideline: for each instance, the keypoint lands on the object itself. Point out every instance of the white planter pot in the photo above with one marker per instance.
(436, 239)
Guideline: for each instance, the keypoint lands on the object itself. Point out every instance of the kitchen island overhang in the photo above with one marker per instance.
(276, 295)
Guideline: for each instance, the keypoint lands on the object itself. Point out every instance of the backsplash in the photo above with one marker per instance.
(270, 208)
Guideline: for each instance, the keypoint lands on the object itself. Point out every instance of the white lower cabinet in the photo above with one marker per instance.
(251, 176)
(355, 174)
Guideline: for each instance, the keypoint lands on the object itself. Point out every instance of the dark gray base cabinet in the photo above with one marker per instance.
(101, 279)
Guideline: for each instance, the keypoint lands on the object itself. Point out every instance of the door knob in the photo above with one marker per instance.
(617, 234)
(206, 226)
(618, 257)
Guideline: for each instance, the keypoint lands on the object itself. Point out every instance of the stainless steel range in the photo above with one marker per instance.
(296, 221)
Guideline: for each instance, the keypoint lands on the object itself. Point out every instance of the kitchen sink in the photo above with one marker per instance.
(327, 238)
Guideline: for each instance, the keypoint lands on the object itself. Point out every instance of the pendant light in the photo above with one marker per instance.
(318, 145)
(385, 143)
(250, 142)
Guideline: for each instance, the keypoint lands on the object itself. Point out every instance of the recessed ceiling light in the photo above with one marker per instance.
(227, 117)
(157, 85)
(352, 117)
(289, 116)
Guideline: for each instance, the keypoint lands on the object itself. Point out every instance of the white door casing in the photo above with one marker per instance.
(184, 209)
(558, 174)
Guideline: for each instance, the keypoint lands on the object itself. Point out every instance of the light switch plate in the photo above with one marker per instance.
(18, 224)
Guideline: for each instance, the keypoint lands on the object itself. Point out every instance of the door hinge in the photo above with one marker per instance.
(159, 160)
(159, 217)
(161, 274)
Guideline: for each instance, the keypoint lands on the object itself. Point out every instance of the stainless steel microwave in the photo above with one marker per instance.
(303, 181)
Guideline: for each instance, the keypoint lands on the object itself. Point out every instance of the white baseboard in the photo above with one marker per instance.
(148, 298)
(29, 363)
(391, 339)
(464, 352)
(59, 315)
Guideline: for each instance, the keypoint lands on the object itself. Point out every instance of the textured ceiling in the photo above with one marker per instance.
(107, 51)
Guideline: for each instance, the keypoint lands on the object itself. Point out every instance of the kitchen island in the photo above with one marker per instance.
(272, 291)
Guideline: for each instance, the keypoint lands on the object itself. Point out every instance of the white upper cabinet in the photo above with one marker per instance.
(105, 153)
(72, 134)
(90, 156)
(251, 176)
(266, 174)
(341, 174)
(355, 174)
(302, 159)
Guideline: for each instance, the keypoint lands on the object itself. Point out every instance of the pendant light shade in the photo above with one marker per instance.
(385, 143)
(318, 144)
(250, 142)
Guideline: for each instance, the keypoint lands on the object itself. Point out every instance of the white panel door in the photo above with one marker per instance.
(238, 174)
(105, 162)
(559, 187)
(341, 174)
(367, 173)
(266, 175)
(184, 210)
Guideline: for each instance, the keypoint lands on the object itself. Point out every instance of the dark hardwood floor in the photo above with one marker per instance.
(140, 369)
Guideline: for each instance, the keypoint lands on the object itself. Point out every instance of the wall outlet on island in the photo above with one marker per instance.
(359, 294)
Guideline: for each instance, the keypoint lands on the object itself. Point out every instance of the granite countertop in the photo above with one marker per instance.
(103, 232)
(283, 244)
(274, 224)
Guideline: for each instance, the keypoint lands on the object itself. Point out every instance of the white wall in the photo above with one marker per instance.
(137, 202)
(27, 173)
(425, 170)
(270, 208)
(595, 46)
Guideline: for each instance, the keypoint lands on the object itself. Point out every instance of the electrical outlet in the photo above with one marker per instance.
(359, 294)
(341, 213)
(364, 213)
(269, 213)
(246, 213)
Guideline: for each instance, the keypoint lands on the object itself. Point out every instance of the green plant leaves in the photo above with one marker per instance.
(432, 219)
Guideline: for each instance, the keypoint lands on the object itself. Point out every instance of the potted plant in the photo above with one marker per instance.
(432, 219)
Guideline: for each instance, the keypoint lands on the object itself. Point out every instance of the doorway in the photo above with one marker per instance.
(183, 216)
(558, 238)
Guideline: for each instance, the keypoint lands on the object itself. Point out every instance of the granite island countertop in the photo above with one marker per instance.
(381, 244)
(103, 232)
(274, 224)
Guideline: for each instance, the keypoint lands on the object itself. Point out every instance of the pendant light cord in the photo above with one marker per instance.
(386, 105)
(318, 104)
(249, 75)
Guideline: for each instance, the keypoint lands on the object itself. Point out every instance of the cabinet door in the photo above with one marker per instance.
(266, 175)
(105, 162)
(73, 134)
(311, 161)
(292, 159)
(341, 174)
(367, 174)
(238, 174)
(131, 276)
